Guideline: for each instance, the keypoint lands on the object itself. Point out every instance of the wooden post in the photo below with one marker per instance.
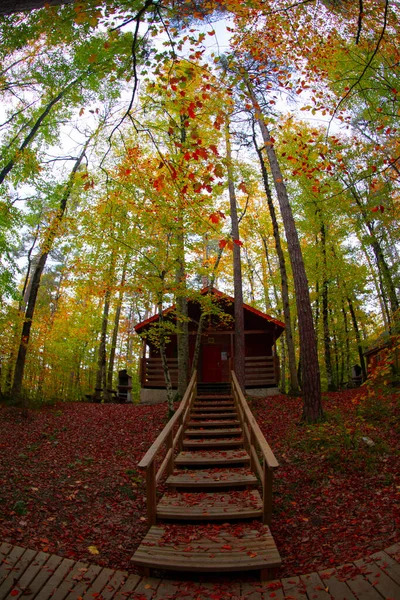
(267, 494)
(252, 445)
(170, 444)
(180, 440)
(151, 493)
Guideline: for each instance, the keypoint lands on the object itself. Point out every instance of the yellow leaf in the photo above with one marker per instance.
(93, 550)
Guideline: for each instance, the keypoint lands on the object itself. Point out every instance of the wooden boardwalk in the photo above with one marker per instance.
(36, 575)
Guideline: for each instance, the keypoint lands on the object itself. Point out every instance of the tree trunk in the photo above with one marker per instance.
(239, 359)
(358, 338)
(312, 408)
(114, 338)
(294, 384)
(36, 277)
(164, 362)
(325, 315)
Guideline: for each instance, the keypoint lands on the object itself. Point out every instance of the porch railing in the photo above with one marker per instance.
(262, 459)
(152, 373)
(163, 449)
(260, 371)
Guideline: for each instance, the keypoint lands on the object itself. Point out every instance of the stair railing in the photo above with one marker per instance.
(169, 441)
(257, 446)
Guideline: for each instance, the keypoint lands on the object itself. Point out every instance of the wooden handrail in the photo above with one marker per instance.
(255, 442)
(166, 437)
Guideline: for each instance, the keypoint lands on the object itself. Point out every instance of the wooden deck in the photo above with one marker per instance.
(39, 576)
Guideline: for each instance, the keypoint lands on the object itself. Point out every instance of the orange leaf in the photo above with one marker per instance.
(222, 243)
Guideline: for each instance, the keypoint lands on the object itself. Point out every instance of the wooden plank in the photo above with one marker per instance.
(9, 561)
(212, 443)
(392, 550)
(115, 583)
(70, 580)
(214, 423)
(221, 552)
(16, 571)
(262, 590)
(99, 583)
(125, 591)
(378, 579)
(293, 588)
(146, 589)
(5, 549)
(210, 458)
(358, 584)
(45, 591)
(337, 588)
(167, 589)
(82, 585)
(213, 432)
(314, 586)
(45, 572)
(210, 506)
(214, 478)
(388, 565)
(27, 577)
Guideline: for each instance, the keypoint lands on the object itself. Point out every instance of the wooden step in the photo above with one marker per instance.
(212, 458)
(205, 548)
(206, 506)
(214, 423)
(212, 478)
(202, 415)
(219, 406)
(216, 409)
(213, 432)
(212, 442)
(214, 397)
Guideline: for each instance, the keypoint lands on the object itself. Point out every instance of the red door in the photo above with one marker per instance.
(211, 370)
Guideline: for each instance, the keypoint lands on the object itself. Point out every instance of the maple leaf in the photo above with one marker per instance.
(242, 187)
(222, 243)
(219, 170)
(238, 242)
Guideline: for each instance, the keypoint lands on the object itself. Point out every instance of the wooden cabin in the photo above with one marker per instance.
(216, 357)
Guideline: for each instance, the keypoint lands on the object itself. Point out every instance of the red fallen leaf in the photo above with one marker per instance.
(226, 547)
(14, 593)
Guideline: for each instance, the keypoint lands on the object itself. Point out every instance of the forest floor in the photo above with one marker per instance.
(69, 482)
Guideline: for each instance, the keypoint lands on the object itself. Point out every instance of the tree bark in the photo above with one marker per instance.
(358, 338)
(36, 277)
(312, 408)
(117, 317)
(325, 314)
(294, 384)
(239, 359)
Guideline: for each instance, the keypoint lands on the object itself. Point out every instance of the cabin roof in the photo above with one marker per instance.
(219, 294)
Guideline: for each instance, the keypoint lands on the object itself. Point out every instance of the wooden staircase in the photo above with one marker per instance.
(211, 517)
